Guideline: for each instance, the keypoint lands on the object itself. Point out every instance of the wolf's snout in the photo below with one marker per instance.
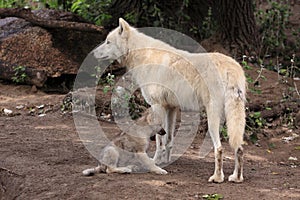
(99, 55)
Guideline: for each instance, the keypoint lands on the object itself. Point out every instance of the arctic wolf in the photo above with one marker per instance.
(216, 81)
(127, 152)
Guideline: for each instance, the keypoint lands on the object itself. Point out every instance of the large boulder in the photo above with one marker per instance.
(45, 53)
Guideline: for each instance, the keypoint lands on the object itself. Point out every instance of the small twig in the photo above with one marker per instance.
(296, 89)
(10, 172)
(259, 74)
(3, 188)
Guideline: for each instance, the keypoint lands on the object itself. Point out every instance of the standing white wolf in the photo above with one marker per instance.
(216, 81)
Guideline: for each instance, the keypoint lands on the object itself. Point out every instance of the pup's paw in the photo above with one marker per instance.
(160, 171)
(126, 170)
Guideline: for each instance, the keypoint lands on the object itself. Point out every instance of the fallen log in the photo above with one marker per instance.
(29, 16)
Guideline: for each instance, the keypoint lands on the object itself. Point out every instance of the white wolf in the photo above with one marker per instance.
(215, 80)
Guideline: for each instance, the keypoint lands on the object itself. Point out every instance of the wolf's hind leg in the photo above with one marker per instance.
(237, 175)
(213, 128)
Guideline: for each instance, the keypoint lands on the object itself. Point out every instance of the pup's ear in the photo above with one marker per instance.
(124, 27)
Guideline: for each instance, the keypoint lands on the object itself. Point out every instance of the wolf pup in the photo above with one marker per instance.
(127, 152)
(215, 80)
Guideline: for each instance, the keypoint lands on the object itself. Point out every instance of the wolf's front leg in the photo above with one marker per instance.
(163, 151)
(165, 143)
(158, 152)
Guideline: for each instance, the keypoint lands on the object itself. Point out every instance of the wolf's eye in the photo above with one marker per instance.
(107, 42)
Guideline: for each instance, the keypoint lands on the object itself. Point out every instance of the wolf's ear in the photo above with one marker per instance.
(124, 26)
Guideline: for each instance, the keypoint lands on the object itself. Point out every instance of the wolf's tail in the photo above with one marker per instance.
(235, 99)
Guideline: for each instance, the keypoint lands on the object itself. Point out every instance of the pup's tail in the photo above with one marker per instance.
(235, 99)
(92, 171)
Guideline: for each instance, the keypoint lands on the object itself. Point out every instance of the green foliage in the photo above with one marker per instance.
(33, 4)
(209, 25)
(273, 23)
(53, 4)
(253, 137)
(12, 3)
(255, 120)
(245, 63)
(94, 11)
(151, 11)
(19, 74)
(110, 80)
(224, 132)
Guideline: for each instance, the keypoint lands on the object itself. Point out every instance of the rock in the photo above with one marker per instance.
(46, 53)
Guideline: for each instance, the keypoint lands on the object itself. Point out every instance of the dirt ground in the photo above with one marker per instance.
(42, 157)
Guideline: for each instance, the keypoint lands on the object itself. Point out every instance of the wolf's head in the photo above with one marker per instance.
(115, 45)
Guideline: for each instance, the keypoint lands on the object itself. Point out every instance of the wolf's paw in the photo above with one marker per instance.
(88, 172)
(234, 178)
(216, 178)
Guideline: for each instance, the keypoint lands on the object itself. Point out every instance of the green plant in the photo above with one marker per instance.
(255, 120)
(245, 63)
(19, 74)
(253, 137)
(273, 23)
(224, 132)
(94, 11)
(110, 81)
(209, 25)
(12, 3)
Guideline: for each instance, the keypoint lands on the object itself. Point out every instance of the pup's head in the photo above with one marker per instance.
(115, 45)
(153, 121)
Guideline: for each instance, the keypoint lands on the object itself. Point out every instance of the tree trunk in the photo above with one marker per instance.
(237, 26)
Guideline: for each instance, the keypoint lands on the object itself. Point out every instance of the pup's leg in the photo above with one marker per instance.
(110, 158)
(120, 170)
(150, 164)
(237, 175)
(213, 128)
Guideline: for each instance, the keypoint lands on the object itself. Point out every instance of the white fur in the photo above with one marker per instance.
(170, 78)
(127, 152)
